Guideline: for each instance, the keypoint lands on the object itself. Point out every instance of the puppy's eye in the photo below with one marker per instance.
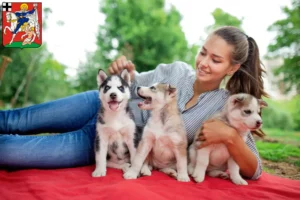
(152, 88)
(121, 88)
(107, 88)
(248, 112)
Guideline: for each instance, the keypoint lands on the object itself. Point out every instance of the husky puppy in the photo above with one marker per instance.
(115, 128)
(164, 142)
(241, 111)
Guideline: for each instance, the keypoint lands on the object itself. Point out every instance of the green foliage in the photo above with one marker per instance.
(191, 54)
(141, 30)
(287, 45)
(282, 114)
(275, 116)
(50, 81)
(88, 73)
(33, 77)
(223, 18)
(279, 152)
(294, 108)
(286, 136)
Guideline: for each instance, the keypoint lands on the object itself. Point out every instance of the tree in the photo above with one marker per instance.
(287, 45)
(222, 18)
(143, 31)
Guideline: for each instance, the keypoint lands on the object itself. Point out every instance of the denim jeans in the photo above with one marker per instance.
(72, 120)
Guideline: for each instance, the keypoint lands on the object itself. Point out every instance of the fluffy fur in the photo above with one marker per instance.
(164, 144)
(115, 128)
(241, 111)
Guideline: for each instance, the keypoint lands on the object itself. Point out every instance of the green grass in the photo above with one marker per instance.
(286, 137)
(279, 152)
(268, 170)
(280, 146)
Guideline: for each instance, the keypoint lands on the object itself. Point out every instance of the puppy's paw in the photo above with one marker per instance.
(219, 174)
(99, 173)
(224, 176)
(170, 172)
(238, 181)
(125, 167)
(198, 177)
(190, 169)
(183, 177)
(145, 171)
(130, 174)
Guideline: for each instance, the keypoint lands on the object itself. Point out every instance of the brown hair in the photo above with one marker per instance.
(248, 79)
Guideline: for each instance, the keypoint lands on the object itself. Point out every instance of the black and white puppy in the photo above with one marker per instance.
(115, 140)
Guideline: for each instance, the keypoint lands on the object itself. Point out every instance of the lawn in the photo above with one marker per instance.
(279, 152)
(280, 147)
(288, 137)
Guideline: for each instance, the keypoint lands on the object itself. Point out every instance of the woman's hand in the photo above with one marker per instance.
(121, 63)
(215, 131)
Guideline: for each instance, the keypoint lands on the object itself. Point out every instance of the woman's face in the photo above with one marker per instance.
(213, 61)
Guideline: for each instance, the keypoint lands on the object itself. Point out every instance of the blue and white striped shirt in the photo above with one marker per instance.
(182, 76)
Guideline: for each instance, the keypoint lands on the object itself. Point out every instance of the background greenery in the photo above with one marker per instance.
(148, 34)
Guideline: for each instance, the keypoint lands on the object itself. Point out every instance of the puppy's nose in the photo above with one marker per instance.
(258, 123)
(138, 88)
(113, 95)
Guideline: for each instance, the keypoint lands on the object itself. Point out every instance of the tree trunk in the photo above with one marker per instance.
(5, 61)
(30, 70)
(27, 89)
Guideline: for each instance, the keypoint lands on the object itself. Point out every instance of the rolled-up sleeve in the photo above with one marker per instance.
(163, 73)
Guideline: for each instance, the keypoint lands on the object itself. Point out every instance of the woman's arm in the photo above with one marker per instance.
(247, 159)
(162, 73)
(244, 154)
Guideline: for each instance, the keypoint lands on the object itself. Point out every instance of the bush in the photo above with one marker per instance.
(275, 116)
(294, 108)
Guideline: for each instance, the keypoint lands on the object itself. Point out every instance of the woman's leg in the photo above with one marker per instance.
(62, 115)
(63, 150)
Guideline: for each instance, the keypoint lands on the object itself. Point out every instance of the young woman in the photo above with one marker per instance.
(226, 52)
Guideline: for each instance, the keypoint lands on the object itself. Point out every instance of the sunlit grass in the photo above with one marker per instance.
(284, 136)
(279, 152)
(268, 170)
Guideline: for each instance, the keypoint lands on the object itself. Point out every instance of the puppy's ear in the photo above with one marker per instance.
(126, 76)
(237, 99)
(101, 77)
(172, 90)
(262, 103)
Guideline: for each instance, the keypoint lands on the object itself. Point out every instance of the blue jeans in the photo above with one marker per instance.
(74, 118)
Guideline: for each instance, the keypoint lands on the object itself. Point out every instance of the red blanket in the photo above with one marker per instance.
(77, 183)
